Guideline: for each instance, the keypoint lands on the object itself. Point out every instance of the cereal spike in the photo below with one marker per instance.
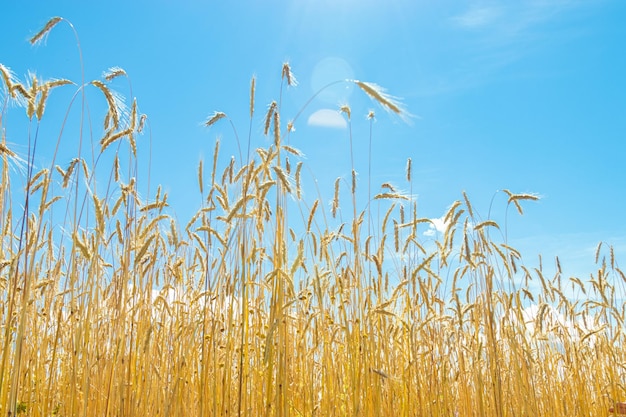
(346, 109)
(45, 90)
(311, 214)
(288, 75)
(142, 121)
(34, 89)
(335, 204)
(468, 205)
(114, 72)
(398, 196)
(68, 172)
(200, 182)
(282, 176)
(7, 77)
(268, 117)
(297, 178)
(377, 93)
(109, 139)
(389, 187)
(58, 83)
(133, 116)
(116, 168)
(100, 223)
(486, 223)
(215, 154)
(252, 90)
(20, 89)
(46, 29)
(514, 198)
(409, 167)
(133, 143)
(218, 115)
(597, 255)
(276, 129)
(4, 150)
(81, 245)
(110, 101)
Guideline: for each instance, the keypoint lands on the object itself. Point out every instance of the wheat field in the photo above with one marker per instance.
(270, 303)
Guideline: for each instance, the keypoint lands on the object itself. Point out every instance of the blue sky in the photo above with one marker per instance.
(528, 95)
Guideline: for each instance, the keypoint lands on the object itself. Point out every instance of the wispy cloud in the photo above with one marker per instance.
(501, 34)
(512, 18)
(327, 118)
(477, 16)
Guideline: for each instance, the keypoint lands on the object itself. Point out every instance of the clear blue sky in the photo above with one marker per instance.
(528, 95)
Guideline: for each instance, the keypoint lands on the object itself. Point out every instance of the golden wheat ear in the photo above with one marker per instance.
(252, 91)
(114, 72)
(7, 76)
(386, 101)
(346, 109)
(288, 75)
(41, 35)
(218, 115)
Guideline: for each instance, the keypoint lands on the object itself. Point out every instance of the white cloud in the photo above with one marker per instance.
(327, 118)
(436, 226)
